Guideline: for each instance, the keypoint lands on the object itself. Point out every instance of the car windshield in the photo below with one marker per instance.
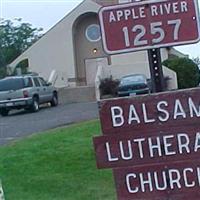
(11, 84)
(133, 79)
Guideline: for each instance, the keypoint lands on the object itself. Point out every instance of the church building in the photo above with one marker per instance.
(71, 54)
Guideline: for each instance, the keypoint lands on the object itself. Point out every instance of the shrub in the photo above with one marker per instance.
(108, 86)
(187, 71)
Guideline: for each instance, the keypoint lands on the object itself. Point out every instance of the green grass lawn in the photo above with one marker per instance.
(55, 165)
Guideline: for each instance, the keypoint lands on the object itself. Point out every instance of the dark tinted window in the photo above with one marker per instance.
(43, 82)
(28, 82)
(36, 81)
(11, 84)
(133, 79)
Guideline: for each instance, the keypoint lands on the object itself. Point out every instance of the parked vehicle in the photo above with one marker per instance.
(27, 91)
(133, 85)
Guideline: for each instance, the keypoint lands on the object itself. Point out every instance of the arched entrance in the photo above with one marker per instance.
(87, 45)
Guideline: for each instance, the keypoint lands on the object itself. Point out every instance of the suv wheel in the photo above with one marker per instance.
(54, 101)
(35, 105)
(4, 112)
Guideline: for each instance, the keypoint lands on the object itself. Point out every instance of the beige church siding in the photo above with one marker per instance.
(134, 62)
(139, 56)
(55, 49)
(129, 58)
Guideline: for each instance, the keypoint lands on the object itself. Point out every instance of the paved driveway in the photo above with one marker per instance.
(21, 123)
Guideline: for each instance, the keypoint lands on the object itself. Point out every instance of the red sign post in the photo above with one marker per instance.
(149, 24)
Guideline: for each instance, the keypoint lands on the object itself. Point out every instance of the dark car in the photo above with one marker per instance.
(133, 85)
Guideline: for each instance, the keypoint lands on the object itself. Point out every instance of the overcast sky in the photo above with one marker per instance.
(46, 13)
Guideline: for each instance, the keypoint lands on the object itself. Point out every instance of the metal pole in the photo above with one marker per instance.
(156, 71)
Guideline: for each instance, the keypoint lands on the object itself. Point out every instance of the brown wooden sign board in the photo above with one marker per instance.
(148, 24)
(159, 112)
(153, 143)
(148, 147)
(177, 181)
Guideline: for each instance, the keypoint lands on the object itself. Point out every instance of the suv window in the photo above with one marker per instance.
(36, 81)
(11, 84)
(43, 82)
(28, 82)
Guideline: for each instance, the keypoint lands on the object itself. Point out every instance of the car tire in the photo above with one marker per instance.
(54, 101)
(35, 105)
(4, 112)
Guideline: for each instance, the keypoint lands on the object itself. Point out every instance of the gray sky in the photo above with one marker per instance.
(46, 13)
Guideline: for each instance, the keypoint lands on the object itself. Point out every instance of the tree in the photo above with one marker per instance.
(15, 38)
(188, 73)
(197, 61)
